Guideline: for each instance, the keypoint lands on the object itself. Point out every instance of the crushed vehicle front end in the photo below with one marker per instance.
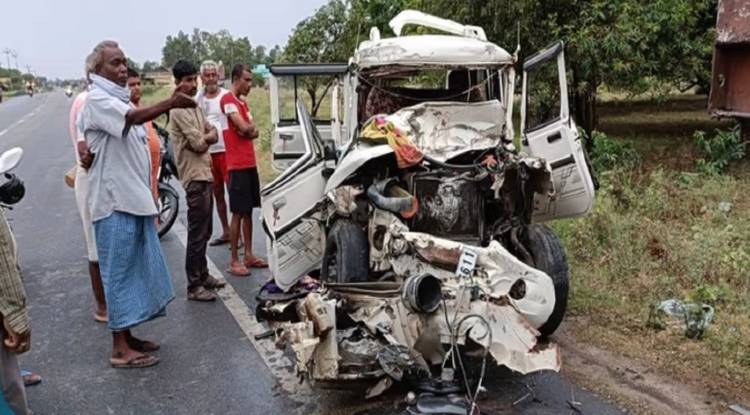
(416, 244)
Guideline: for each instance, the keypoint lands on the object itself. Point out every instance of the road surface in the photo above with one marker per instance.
(210, 360)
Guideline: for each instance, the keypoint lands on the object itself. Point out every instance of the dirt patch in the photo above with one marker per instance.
(641, 385)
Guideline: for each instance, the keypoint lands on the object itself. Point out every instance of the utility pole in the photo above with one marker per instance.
(15, 58)
(7, 53)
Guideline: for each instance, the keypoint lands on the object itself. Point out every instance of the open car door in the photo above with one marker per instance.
(549, 132)
(290, 83)
(289, 206)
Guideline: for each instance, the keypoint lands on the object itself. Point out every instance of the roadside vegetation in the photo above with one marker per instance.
(672, 220)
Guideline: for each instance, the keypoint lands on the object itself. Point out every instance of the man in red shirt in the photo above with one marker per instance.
(244, 186)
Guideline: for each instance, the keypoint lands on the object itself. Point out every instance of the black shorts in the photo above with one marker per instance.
(244, 191)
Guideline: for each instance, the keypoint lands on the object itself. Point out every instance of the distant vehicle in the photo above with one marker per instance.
(69, 91)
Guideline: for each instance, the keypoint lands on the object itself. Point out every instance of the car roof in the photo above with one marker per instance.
(308, 69)
(448, 50)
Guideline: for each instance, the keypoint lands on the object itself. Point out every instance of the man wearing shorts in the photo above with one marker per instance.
(244, 186)
(209, 100)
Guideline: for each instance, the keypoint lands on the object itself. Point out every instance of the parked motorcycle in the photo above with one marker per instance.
(12, 190)
(169, 201)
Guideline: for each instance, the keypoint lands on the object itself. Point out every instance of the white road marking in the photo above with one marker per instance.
(24, 118)
(281, 367)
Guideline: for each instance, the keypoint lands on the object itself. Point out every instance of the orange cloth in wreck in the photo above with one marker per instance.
(381, 131)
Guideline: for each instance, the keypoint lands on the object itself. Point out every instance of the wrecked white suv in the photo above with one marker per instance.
(421, 253)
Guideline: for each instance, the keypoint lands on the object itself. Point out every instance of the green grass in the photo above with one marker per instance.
(657, 233)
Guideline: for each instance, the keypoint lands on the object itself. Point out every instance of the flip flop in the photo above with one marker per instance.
(30, 378)
(255, 263)
(239, 271)
(219, 241)
(137, 362)
(100, 319)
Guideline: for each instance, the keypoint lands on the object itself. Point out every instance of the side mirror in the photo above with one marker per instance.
(329, 151)
(10, 159)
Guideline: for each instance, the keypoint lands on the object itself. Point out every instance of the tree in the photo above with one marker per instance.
(134, 65)
(273, 55)
(150, 66)
(630, 45)
(176, 48)
(324, 37)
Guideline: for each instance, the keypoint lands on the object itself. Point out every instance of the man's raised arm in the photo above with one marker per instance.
(148, 113)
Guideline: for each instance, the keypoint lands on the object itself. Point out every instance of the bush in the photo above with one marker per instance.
(609, 154)
(719, 150)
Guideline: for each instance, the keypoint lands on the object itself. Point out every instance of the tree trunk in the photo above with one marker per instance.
(313, 102)
(745, 134)
(585, 109)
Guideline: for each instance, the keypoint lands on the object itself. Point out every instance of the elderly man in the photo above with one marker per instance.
(209, 101)
(192, 136)
(81, 192)
(136, 279)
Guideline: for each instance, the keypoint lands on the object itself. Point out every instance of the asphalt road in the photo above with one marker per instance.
(211, 362)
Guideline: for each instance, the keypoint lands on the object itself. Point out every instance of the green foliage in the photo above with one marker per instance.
(631, 45)
(220, 47)
(719, 150)
(609, 154)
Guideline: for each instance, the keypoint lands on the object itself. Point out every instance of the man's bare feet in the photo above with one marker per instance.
(143, 346)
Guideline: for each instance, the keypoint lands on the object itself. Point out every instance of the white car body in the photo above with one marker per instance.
(317, 186)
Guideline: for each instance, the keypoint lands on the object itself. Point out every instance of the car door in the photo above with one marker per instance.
(290, 210)
(289, 83)
(549, 132)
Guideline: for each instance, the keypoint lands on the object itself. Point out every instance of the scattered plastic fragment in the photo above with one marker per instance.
(693, 317)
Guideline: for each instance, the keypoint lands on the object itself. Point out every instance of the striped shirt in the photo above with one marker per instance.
(12, 294)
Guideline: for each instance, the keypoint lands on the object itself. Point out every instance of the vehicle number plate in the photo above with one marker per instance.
(466, 263)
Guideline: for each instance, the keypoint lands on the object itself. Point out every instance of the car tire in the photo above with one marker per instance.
(347, 253)
(549, 256)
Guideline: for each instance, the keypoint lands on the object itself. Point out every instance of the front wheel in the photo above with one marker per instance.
(168, 206)
(347, 253)
(549, 256)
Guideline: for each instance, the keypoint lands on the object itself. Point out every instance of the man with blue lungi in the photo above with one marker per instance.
(136, 279)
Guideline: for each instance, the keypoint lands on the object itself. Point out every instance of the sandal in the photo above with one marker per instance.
(238, 270)
(137, 362)
(30, 378)
(219, 241)
(255, 263)
(101, 318)
(201, 294)
(212, 282)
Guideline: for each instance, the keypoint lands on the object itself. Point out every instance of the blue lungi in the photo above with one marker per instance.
(135, 275)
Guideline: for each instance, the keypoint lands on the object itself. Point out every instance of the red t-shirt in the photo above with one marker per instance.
(240, 152)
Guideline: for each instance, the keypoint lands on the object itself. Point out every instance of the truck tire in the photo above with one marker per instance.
(549, 256)
(347, 253)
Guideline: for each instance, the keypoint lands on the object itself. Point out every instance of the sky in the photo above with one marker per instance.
(54, 36)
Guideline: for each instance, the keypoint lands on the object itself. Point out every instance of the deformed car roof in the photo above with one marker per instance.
(430, 50)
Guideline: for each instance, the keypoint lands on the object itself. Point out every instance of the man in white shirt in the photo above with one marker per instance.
(208, 99)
